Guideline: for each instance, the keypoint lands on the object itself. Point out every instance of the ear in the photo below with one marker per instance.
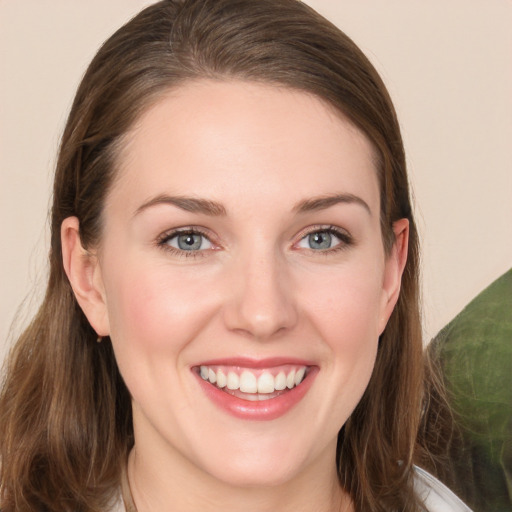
(84, 274)
(394, 268)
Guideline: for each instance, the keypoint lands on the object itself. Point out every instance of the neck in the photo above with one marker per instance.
(180, 487)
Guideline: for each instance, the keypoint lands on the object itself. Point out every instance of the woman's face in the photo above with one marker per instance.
(242, 245)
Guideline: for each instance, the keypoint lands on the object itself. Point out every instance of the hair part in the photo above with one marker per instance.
(65, 423)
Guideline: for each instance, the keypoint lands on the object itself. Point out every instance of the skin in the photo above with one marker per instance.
(256, 289)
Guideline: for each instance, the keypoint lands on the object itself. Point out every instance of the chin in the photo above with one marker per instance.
(257, 474)
(254, 465)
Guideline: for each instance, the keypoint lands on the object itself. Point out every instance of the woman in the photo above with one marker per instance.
(231, 318)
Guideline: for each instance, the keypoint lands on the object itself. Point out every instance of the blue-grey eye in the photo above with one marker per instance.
(319, 240)
(189, 241)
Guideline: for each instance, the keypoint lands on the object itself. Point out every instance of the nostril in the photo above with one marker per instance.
(261, 304)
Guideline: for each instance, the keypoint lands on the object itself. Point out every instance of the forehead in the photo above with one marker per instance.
(231, 139)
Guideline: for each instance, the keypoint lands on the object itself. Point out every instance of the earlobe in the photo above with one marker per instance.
(395, 265)
(84, 274)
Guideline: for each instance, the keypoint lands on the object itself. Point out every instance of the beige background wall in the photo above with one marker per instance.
(447, 64)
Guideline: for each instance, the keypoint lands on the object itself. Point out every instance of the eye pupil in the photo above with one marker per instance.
(320, 240)
(189, 242)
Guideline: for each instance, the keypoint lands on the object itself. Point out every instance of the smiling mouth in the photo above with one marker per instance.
(254, 384)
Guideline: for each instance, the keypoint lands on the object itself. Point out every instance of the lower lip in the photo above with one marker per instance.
(262, 410)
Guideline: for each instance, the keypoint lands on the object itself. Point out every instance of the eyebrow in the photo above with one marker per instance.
(189, 204)
(213, 208)
(324, 202)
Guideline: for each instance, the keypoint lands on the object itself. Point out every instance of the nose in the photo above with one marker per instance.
(261, 300)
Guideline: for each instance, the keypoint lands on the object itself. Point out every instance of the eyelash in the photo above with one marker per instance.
(345, 238)
(162, 242)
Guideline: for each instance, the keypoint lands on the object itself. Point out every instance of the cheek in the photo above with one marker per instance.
(346, 305)
(342, 306)
(345, 308)
(155, 312)
(154, 309)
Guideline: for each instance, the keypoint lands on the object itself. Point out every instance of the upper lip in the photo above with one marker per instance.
(246, 362)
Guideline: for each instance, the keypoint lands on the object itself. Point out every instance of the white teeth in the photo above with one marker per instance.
(248, 383)
(221, 379)
(233, 381)
(252, 398)
(290, 380)
(266, 383)
(299, 376)
(280, 381)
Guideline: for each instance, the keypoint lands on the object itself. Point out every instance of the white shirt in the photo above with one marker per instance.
(437, 497)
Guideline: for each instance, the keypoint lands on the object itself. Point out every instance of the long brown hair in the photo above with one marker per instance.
(65, 421)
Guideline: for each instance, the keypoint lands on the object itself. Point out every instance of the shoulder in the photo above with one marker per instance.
(437, 497)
